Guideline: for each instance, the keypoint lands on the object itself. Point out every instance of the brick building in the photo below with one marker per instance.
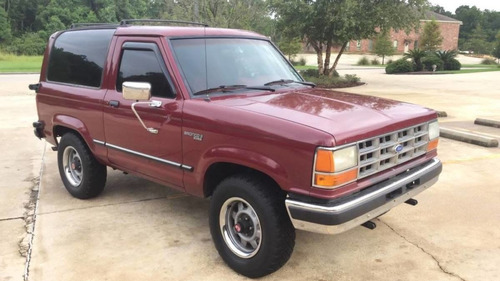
(403, 42)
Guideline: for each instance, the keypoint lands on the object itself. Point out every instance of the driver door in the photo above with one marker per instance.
(130, 146)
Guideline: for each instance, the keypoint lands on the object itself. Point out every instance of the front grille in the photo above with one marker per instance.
(379, 153)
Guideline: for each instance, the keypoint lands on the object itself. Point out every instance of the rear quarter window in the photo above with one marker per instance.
(78, 57)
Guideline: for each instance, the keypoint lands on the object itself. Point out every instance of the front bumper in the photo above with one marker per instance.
(336, 216)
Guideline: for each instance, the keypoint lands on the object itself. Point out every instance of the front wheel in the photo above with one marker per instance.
(249, 225)
(83, 176)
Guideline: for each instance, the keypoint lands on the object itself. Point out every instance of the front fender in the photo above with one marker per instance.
(239, 156)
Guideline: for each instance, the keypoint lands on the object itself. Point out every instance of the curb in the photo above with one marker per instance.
(486, 122)
(468, 137)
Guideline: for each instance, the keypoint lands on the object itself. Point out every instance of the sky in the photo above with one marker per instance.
(452, 5)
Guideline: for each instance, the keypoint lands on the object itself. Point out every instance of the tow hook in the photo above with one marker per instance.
(411, 201)
(370, 225)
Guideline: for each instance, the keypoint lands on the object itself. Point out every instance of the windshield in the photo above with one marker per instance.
(215, 62)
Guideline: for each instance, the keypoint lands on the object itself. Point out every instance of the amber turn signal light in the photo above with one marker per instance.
(324, 161)
(335, 179)
(432, 144)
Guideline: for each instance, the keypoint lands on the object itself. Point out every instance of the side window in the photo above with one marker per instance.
(143, 66)
(78, 57)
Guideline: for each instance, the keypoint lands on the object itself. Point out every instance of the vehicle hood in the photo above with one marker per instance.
(347, 117)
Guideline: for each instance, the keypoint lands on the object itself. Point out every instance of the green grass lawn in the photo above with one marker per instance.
(471, 70)
(304, 67)
(12, 63)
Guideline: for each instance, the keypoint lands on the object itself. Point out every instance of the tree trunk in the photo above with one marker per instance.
(318, 47)
(334, 66)
(328, 53)
(383, 57)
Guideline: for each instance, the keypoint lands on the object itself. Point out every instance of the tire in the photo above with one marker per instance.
(83, 176)
(250, 226)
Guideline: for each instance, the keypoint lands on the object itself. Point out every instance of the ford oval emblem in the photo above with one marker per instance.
(398, 148)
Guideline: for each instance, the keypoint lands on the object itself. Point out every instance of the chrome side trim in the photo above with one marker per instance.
(99, 142)
(147, 156)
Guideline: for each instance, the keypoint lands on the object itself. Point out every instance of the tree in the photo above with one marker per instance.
(290, 47)
(431, 38)
(496, 51)
(383, 45)
(477, 42)
(5, 30)
(325, 23)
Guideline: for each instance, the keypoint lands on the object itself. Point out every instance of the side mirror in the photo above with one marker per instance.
(136, 90)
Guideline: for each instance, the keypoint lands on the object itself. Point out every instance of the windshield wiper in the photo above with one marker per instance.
(228, 88)
(288, 81)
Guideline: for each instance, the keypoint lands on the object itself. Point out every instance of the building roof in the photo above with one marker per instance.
(430, 15)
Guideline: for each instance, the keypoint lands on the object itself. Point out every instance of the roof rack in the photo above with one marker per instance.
(91, 24)
(129, 21)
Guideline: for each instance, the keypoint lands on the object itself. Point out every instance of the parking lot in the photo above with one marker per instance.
(138, 230)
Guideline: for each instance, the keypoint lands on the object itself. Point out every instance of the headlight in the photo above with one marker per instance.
(433, 130)
(333, 168)
(433, 135)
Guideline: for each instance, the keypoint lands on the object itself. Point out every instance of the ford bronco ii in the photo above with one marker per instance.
(221, 113)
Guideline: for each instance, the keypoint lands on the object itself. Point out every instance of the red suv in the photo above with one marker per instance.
(221, 113)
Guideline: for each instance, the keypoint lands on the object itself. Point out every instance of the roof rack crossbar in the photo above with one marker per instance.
(89, 24)
(128, 21)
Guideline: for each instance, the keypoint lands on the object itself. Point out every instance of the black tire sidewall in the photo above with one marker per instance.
(257, 265)
(94, 173)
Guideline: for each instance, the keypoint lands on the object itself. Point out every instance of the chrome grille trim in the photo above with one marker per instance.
(377, 154)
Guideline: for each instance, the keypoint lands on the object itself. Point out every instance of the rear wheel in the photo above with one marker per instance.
(250, 227)
(83, 176)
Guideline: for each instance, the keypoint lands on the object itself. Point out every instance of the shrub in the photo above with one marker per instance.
(314, 73)
(352, 78)
(488, 61)
(310, 72)
(363, 61)
(375, 62)
(335, 82)
(416, 56)
(429, 61)
(302, 61)
(399, 66)
(452, 64)
(390, 61)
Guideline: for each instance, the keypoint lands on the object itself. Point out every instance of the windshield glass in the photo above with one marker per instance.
(214, 62)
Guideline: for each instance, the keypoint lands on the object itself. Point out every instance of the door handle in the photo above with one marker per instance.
(114, 103)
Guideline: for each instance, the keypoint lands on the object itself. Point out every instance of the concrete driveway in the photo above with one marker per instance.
(137, 230)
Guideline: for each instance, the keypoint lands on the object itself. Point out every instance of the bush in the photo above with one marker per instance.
(375, 62)
(488, 61)
(429, 61)
(399, 66)
(310, 72)
(335, 82)
(452, 64)
(301, 62)
(29, 44)
(390, 61)
(363, 61)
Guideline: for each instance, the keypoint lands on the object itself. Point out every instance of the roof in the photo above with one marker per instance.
(430, 15)
(169, 31)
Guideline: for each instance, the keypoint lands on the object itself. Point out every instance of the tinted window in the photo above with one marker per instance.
(78, 57)
(143, 66)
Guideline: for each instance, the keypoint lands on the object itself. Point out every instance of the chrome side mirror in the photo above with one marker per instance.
(136, 90)
(140, 91)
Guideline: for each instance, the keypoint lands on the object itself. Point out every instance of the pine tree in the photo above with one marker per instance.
(431, 38)
(383, 46)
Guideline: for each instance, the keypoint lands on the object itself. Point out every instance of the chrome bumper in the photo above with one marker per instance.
(336, 216)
